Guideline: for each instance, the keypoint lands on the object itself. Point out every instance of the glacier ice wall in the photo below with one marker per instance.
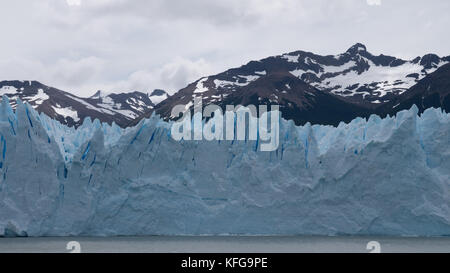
(378, 176)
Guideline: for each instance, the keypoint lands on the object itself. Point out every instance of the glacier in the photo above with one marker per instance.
(368, 177)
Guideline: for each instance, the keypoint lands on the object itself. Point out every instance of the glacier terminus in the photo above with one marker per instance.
(371, 176)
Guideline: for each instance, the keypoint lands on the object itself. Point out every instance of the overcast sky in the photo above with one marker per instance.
(124, 45)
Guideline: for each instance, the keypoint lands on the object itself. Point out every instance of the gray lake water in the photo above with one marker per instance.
(228, 244)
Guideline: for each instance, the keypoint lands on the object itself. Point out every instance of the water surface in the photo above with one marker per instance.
(229, 244)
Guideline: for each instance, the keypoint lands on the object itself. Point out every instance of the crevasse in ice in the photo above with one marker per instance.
(379, 176)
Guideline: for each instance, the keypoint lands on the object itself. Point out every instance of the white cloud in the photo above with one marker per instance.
(171, 76)
(72, 72)
(74, 2)
(127, 45)
(373, 2)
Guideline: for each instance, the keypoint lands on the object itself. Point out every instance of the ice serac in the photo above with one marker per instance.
(378, 176)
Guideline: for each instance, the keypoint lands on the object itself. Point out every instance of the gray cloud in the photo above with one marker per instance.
(126, 45)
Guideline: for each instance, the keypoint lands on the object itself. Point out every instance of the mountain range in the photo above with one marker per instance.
(71, 110)
(308, 87)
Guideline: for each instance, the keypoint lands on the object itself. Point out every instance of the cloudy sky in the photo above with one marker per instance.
(125, 45)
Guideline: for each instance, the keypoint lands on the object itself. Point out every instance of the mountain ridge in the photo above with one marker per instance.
(352, 84)
(69, 109)
(308, 87)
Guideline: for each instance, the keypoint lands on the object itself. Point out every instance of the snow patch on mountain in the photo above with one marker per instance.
(384, 79)
(7, 90)
(291, 58)
(39, 98)
(200, 88)
(240, 80)
(337, 69)
(67, 112)
(376, 80)
(88, 105)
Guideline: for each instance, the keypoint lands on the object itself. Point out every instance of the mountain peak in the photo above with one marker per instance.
(356, 48)
(158, 92)
(99, 94)
(157, 96)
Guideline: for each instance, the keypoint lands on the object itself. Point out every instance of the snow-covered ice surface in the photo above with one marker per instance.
(382, 176)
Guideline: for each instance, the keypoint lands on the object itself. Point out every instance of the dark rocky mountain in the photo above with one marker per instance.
(307, 87)
(431, 91)
(72, 110)
(298, 100)
(317, 89)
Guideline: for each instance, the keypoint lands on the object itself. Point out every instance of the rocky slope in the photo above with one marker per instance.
(72, 110)
(320, 89)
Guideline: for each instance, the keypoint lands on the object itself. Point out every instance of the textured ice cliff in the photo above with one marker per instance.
(382, 176)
